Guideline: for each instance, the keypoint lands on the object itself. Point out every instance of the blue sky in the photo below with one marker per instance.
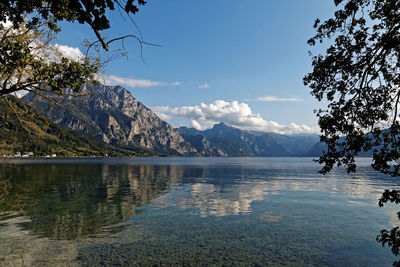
(241, 62)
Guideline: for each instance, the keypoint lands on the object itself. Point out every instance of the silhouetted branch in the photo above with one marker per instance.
(141, 42)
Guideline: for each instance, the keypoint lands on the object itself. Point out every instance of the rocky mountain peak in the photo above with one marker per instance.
(112, 114)
(221, 125)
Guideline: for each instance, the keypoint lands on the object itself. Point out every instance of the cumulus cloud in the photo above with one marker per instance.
(70, 52)
(278, 99)
(164, 116)
(197, 125)
(6, 24)
(134, 83)
(232, 113)
(52, 52)
(204, 85)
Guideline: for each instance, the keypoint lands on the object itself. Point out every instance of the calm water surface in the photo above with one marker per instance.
(192, 212)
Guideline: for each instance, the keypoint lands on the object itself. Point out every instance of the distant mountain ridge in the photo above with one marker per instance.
(230, 141)
(112, 114)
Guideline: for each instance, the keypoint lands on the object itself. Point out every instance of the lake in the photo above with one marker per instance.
(192, 212)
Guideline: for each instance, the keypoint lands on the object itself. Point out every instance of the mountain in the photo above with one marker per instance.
(317, 149)
(297, 145)
(113, 115)
(229, 141)
(22, 129)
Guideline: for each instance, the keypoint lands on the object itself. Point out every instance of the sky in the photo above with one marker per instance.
(237, 62)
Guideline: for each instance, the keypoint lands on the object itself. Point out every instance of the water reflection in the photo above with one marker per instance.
(220, 191)
(67, 201)
(214, 200)
(71, 201)
(177, 211)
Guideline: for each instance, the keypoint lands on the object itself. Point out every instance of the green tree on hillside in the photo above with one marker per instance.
(359, 76)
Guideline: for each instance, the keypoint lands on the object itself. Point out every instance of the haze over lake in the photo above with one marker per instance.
(192, 211)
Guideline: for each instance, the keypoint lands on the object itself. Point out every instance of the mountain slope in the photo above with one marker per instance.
(112, 114)
(297, 145)
(230, 141)
(205, 147)
(22, 129)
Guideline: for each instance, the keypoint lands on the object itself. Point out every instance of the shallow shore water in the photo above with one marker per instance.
(192, 212)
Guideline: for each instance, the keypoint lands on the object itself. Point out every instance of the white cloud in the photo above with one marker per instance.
(197, 125)
(48, 52)
(6, 24)
(70, 52)
(278, 99)
(232, 113)
(164, 116)
(176, 83)
(54, 53)
(134, 83)
(204, 85)
(160, 109)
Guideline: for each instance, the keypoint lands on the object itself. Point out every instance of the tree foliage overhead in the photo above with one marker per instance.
(359, 77)
(91, 12)
(28, 61)
(29, 58)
